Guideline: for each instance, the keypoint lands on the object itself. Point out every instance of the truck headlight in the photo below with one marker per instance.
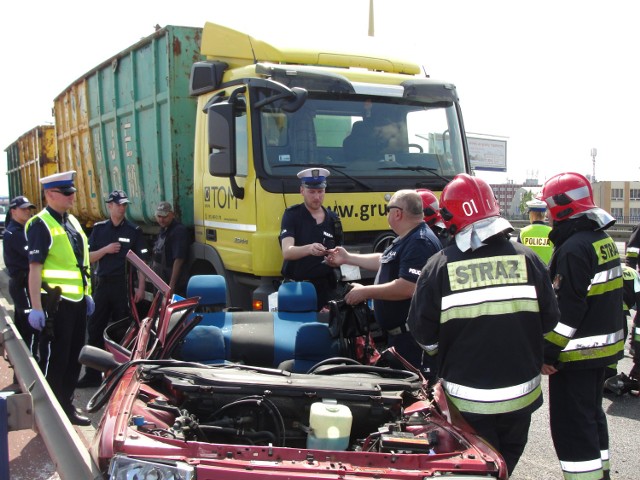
(127, 468)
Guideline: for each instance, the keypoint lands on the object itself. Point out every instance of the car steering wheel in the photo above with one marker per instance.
(333, 361)
(383, 372)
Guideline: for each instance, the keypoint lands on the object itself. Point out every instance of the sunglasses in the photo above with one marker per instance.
(65, 193)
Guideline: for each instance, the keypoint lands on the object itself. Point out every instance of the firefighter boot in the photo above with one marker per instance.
(615, 384)
(621, 384)
(631, 385)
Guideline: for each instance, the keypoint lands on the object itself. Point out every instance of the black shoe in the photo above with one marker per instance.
(89, 381)
(615, 384)
(621, 384)
(76, 418)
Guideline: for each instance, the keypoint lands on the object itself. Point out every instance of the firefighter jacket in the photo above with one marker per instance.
(586, 272)
(536, 237)
(485, 312)
(633, 248)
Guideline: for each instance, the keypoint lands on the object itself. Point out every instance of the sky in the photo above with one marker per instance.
(554, 78)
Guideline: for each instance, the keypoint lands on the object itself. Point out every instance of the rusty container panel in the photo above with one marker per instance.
(31, 157)
(74, 151)
(139, 128)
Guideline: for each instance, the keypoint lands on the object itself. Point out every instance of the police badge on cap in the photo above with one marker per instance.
(314, 177)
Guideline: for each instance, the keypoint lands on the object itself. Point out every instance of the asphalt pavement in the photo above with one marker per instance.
(30, 461)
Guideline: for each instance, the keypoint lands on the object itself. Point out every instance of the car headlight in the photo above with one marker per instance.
(127, 468)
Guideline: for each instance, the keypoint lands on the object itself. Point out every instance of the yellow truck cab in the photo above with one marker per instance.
(264, 113)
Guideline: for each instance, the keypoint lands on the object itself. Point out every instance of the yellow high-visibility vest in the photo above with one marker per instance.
(60, 268)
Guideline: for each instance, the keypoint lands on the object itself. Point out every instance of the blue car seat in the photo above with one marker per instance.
(204, 344)
(313, 344)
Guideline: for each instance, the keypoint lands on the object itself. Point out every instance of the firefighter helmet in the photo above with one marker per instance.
(465, 200)
(567, 194)
(430, 206)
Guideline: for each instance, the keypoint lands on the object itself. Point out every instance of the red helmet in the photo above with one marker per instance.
(430, 206)
(567, 194)
(465, 200)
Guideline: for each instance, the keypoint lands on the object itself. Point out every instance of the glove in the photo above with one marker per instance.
(91, 305)
(36, 319)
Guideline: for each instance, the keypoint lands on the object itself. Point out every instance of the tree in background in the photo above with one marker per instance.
(523, 201)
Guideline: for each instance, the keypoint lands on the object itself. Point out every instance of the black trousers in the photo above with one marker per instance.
(110, 297)
(578, 423)
(325, 290)
(59, 355)
(506, 432)
(21, 306)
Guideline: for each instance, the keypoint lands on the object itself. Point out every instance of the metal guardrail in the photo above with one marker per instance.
(38, 405)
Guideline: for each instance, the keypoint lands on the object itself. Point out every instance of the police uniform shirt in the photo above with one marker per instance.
(14, 249)
(39, 238)
(404, 258)
(175, 239)
(127, 234)
(297, 222)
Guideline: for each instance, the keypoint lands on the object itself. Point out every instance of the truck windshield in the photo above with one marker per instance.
(364, 138)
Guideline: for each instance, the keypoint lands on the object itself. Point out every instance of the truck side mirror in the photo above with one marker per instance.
(294, 102)
(221, 133)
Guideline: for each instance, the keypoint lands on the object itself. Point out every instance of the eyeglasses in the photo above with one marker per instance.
(65, 193)
(390, 207)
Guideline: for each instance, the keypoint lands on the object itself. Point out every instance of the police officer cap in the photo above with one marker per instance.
(314, 177)
(536, 205)
(21, 202)
(119, 197)
(62, 181)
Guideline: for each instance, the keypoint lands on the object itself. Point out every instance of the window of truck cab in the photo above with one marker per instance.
(324, 131)
(242, 139)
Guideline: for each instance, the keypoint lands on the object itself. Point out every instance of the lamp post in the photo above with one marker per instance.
(594, 152)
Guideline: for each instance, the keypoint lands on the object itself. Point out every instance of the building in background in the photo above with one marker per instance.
(510, 196)
(621, 199)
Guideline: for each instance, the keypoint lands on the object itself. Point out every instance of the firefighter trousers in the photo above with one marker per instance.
(506, 432)
(578, 423)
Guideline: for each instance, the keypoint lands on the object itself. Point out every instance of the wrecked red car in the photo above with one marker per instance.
(195, 391)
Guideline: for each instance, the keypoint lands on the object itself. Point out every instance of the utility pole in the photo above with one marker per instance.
(371, 32)
(594, 152)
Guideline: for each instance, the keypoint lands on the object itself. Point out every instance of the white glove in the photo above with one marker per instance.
(36, 319)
